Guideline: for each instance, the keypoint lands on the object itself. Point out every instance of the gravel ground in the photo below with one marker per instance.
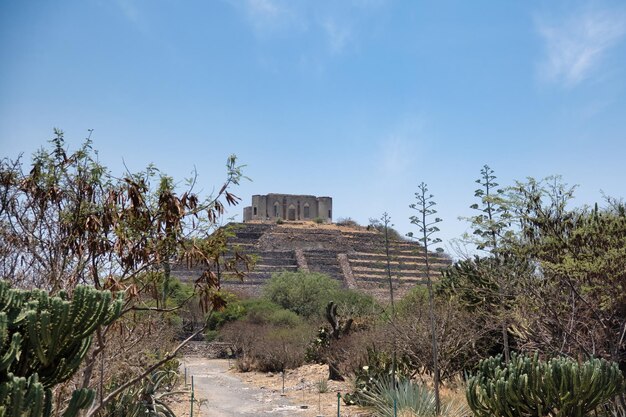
(224, 392)
(221, 393)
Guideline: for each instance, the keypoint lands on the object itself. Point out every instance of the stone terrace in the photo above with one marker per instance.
(353, 256)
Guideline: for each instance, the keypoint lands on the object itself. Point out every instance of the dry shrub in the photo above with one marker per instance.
(463, 339)
(351, 353)
(267, 347)
(131, 344)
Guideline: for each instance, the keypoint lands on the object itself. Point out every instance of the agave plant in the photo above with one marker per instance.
(411, 400)
(146, 400)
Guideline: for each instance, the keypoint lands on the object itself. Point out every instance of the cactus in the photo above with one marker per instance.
(43, 341)
(22, 397)
(528, 386)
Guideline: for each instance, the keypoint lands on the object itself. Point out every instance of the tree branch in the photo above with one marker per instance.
(118, 390)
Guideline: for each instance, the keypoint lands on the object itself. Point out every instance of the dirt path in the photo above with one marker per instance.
(222, 394)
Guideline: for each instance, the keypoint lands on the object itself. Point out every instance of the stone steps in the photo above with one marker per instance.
(324, 262)
(394, 266)
(274, 249)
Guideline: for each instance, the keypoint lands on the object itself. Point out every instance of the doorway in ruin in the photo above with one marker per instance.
(291, 213)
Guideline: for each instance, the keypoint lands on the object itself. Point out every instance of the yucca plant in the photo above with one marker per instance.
(147, 399)
(411, 400)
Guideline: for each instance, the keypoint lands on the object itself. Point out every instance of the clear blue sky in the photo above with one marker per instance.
(357, 99)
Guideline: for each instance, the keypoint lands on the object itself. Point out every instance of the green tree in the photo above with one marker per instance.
(305, 293)
(580, 279)
(575, 301)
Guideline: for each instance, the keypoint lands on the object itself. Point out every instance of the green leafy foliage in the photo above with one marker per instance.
(254, 311)
(528, 386)
(285, 318)
(306, 294)
(234, 310)
(259, 310)
(579, 259)
(476, 283)
(414, 298)
(356, 304)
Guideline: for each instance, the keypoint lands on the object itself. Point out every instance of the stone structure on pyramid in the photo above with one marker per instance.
(353, 255)
(289, 207)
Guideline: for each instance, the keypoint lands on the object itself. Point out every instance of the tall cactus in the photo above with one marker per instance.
(43, 341)
(528, 386)
(20, 396)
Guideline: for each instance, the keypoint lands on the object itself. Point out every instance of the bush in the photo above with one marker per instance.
(356, 304)
(413, 301)
(253, 310)
(392, 233)
(233, 311)
(463, 338)
(267, 347)
(306, 294)
(259, 310)
(285, 318)
(210, 335)
(318, 220)
(347, 222)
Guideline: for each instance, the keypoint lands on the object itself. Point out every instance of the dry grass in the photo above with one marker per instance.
(300, 388)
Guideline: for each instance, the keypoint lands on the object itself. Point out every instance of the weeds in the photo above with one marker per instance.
(322, 386)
